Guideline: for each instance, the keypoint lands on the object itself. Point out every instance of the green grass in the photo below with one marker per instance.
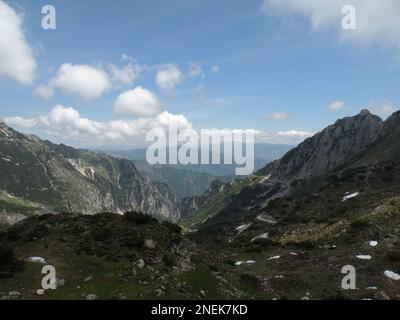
(9, 203)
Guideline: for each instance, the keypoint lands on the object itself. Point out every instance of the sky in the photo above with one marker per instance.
(111, 71)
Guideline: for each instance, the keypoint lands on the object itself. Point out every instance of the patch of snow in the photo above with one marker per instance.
(364, 257)
(261, 236)
(372, 288)
(294, 254)
(279, 277)
(373, 243)
(352, 195)
(265, 178)
(266, 219)
(239, 263)
(274, 258)
(6, 159)
(90, 172)
(243, 227)
(37, 260)
(392, 275)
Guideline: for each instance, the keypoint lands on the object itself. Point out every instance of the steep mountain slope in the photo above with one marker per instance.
(327, 217)
(197, 210)
(360, 181)
(63, 178)
(335, 147)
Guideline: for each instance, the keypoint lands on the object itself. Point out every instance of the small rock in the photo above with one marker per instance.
(14, 294)
(140, 264)
(60, 282)
(150, 244)
(91, 297)
(203, 293)
(383, 295)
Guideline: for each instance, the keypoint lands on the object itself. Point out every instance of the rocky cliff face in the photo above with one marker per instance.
(331, 148)
(65, 178)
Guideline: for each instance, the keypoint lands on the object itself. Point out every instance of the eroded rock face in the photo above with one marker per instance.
(67, 179)
(336, 145)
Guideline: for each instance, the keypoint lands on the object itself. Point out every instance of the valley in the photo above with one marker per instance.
(285, 232)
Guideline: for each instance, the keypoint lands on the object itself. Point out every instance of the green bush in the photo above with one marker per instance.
(172, 227)
(138, 218)
(394, 255)
(169, 259)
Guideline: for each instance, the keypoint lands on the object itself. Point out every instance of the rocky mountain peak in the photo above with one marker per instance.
(331, 148)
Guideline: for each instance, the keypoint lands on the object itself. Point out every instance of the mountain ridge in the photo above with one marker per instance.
(65, 178)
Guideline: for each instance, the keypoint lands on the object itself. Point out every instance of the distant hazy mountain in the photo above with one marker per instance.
(194, 180)
(263, 154)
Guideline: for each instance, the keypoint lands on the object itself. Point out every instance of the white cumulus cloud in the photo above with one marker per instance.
(138, 102)
(195, 71)
(169, 77)
(83, 81)
(67, 125)
(377, 22)
(16, 58)
(383, 109)
(336, 105)
(215, 69)
(279, 116)
(45, 92)
(125, 75)
(295, 134)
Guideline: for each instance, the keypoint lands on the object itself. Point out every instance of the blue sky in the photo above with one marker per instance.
(256, 64)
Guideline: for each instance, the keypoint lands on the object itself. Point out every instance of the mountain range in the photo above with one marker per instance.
(283, 233)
